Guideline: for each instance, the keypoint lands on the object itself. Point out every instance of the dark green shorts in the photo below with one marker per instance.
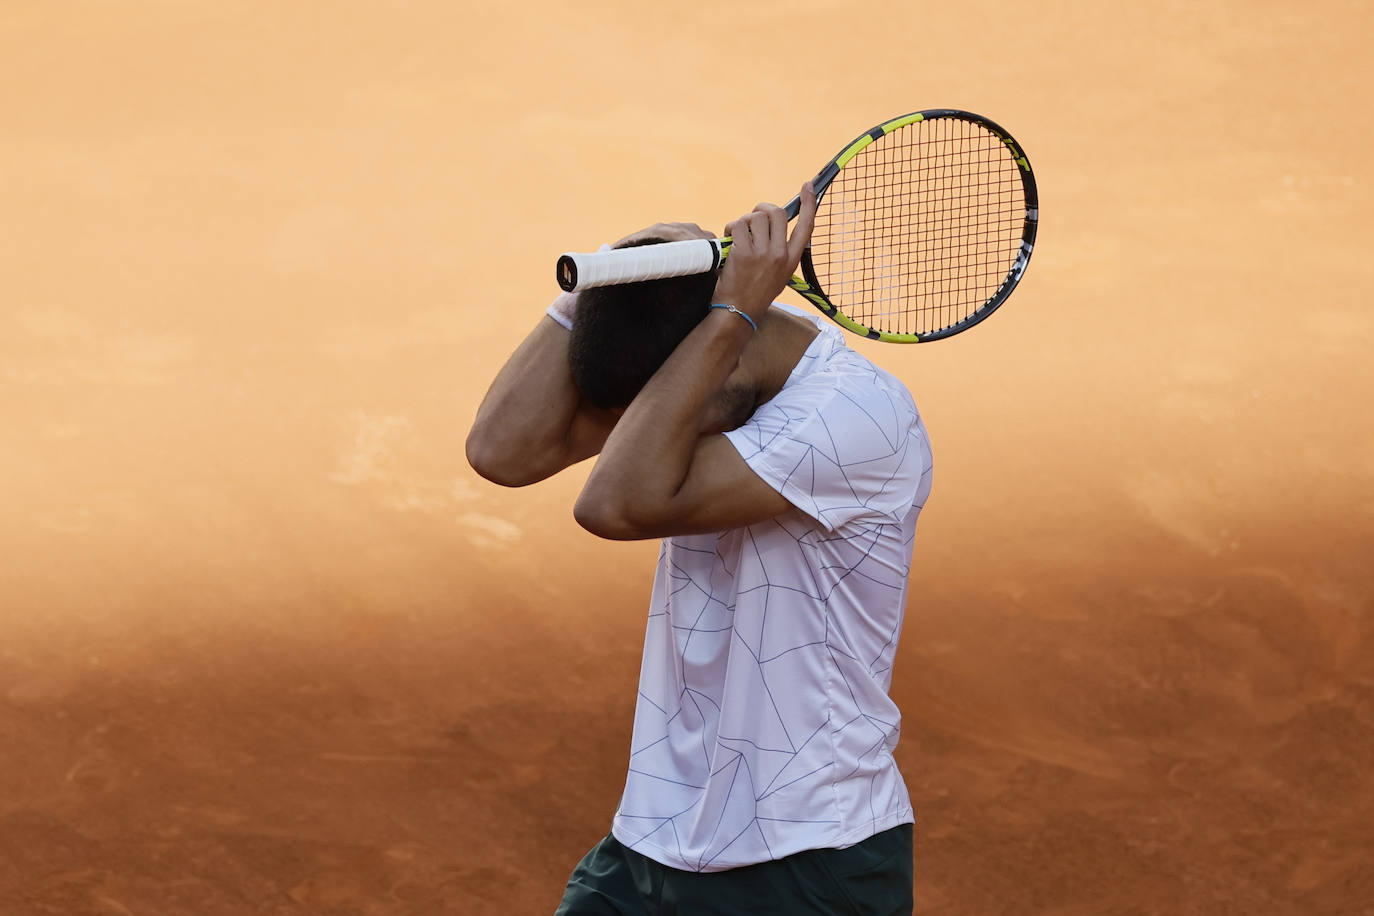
(871, 877)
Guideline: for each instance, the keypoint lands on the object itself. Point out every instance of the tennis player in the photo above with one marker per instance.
(784, 473)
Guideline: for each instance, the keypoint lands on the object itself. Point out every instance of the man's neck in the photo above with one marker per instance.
(782, 342)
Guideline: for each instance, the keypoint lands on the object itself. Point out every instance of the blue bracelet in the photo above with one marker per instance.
(731, 308)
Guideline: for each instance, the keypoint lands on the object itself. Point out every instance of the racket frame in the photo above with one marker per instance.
(808, 286)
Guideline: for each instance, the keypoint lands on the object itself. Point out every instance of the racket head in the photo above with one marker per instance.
(924, 226)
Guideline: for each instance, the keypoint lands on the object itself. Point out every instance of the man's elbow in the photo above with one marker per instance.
(495, 465)
(609, 521)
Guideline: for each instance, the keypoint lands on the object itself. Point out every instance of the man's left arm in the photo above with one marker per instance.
(657, 476)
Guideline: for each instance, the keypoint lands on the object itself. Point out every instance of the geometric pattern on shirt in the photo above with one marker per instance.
(854, 483)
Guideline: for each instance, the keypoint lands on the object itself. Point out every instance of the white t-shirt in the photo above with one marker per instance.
(763, 725)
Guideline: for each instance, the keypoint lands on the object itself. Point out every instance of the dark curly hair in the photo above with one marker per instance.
(623, 334)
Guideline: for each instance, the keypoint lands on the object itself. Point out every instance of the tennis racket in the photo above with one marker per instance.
(924, 226)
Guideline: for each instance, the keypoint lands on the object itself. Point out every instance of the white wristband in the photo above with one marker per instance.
(564, 308)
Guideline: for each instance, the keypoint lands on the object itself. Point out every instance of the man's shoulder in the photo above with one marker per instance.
(841, 375)
(846, 409)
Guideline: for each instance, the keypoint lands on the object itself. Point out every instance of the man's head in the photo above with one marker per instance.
(623, 334)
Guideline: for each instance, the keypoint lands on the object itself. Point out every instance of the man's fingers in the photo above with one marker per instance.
(756, 227)
(806, 221)
(775, 228)
(769, 224)
(693, 231)
(738, 234)
(742, 235)
(669, 232)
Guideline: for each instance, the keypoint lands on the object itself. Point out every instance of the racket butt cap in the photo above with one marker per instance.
(567, 273)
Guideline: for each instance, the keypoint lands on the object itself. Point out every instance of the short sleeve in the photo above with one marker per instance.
(841, 445)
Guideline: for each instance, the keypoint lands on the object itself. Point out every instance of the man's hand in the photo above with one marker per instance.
(762, 257)
(669, 232)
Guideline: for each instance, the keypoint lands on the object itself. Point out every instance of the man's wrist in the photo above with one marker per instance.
(726, 326)
(727, 307)
(563, 310)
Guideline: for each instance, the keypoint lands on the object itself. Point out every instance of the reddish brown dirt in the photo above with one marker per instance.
(267, 646)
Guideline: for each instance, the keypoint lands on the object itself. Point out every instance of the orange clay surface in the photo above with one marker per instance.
(268, 646)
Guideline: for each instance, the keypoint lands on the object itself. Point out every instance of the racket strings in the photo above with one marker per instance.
(921, 228)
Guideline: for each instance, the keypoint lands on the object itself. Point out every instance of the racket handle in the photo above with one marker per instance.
(630, 265)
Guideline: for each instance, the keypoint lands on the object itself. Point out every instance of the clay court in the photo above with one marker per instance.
(269, 646)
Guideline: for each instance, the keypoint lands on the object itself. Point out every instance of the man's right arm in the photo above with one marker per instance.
(533, 422)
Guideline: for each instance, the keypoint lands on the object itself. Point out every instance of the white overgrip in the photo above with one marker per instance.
(630, 265)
